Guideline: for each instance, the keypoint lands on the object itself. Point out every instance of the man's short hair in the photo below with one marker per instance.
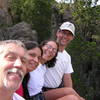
(18, 42)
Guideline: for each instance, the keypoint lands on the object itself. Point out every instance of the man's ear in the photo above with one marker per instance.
(72, 38)
(57, 33)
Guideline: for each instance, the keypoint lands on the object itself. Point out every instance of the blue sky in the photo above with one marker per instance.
(67, 1)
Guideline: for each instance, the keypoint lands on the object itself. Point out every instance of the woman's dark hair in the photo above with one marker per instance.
(50, 63)
(32, 44)
(29, 45)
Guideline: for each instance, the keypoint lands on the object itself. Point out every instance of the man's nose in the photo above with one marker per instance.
(18, 62)
(65, 35)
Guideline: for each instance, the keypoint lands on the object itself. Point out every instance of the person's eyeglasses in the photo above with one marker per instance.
(50, 47)
(67, 33)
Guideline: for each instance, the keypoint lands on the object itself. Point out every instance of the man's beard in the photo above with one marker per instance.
(7, 81)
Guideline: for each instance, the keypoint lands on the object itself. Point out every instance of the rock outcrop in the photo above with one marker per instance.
(21, 31)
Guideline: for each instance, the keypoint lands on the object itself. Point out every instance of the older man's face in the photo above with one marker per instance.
(12, 66)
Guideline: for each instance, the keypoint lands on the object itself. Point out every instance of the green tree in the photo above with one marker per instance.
(86, 18)
(36, 12)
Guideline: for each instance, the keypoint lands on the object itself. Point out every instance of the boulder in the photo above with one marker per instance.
(21, 31)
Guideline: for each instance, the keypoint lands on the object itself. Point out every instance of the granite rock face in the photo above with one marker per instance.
(21, 31)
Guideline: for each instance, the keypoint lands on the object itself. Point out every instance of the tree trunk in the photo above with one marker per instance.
(4, 14)
(4, 5)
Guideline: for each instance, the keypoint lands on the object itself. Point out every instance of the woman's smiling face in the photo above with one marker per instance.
(34, 55)
(49, 50)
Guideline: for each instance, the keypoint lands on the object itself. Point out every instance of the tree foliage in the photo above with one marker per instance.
(87, 18)
(36, 12)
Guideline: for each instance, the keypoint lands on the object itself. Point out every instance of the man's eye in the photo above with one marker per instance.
(11, 57)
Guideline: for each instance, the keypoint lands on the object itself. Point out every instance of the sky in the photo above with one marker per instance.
(67, 1)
